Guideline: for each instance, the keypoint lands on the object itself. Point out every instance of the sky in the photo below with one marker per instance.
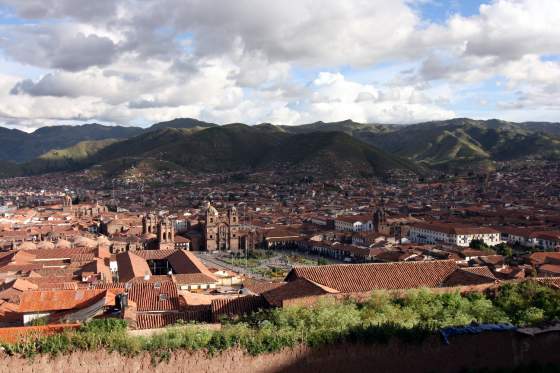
(137, 62)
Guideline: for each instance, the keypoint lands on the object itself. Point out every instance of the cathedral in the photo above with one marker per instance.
(161, 230)
(221, 230)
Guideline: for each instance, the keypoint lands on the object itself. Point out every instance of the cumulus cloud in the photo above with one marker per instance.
(342, 98)
(82, 10)
(63, 47)
(287, 62)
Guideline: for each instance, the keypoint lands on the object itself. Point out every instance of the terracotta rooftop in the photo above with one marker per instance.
(154, 296)
(348, 278)
(131, 265)
(454, 229)
(134, 264)
(298, 288)
(470, 276)
(259, 287)
(56, 300)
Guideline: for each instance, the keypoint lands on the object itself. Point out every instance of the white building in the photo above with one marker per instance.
(353, 223)
(451, 234)
(547, 240)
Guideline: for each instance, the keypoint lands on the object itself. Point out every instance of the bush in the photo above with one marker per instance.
(410, 317)
(528, 303)
(478, 244)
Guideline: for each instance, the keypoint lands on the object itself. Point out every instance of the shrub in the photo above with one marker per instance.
(410, 317)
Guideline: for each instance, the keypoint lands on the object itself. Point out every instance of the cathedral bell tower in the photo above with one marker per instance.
(166, 234)
(380, 221)
(149, 224)
(233, 220)
(211, 222)
(67, 203)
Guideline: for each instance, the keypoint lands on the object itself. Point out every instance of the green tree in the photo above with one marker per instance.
(478, 244)
(504, 249)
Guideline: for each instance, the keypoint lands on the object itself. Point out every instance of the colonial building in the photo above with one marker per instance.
(158, 232)
(353, 223)
(450, 234)
(221, 230)
(89, 210)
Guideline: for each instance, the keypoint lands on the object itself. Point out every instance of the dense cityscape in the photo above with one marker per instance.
(76, 248)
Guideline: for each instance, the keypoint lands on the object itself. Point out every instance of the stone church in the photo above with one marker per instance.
(221, 230)
(158, 230)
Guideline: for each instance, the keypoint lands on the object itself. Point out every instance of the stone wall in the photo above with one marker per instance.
(490, 350)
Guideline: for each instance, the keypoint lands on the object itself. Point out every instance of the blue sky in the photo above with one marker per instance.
(439, 11)
(136, 62)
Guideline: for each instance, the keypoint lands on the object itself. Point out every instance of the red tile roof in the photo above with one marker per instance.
(131, 265)
(553, 269)
(470, 276)
(56, 300)
(366, 277)
(160, 320)
(298, 288)
(259, 287)
(193, 279)
(237, 306)
(543, 257)
(154, 297)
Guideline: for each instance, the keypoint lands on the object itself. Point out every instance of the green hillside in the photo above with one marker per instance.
(347, 126)
(229, 148)
(21, 146)
(9, 169)
(345, 146)
(333, 153)
(72, 158)
(80, 151)
(466, 141)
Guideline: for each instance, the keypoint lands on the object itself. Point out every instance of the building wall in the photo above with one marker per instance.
(345, 226)
(421, 235)
(221, 231)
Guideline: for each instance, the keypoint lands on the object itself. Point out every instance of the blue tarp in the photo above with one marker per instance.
(473, 329)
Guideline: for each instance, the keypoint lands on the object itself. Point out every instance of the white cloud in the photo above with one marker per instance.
(293, 61)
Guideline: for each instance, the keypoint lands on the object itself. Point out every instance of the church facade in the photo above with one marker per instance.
(221, 230)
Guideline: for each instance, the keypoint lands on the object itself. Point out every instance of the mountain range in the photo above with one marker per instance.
(336, 148)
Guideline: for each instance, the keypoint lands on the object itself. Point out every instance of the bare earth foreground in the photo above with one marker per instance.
(491, 350)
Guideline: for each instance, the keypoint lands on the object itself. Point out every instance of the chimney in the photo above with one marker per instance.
(123, 301)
